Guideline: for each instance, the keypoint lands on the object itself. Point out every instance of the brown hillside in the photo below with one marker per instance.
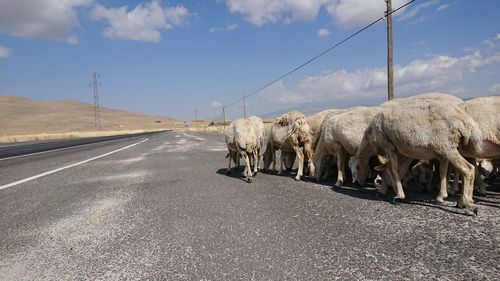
(19, 115)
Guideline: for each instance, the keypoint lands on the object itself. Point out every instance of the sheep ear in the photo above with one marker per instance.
(380, 168)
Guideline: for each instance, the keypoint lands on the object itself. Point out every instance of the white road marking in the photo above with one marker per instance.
(131, 160)
(217, 149)
(195, 137)
(69, 166)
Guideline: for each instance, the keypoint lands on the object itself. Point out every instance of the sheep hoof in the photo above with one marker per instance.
(297, 178)
(249, 180)
(398, 199)
(440, 200)
(338, 184)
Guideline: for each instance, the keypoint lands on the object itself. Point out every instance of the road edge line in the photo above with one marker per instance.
(69, 166)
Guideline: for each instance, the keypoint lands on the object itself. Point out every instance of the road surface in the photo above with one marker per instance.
(162, 208)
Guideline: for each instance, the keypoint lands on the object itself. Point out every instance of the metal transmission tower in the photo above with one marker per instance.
(390, 75)
(97, 112)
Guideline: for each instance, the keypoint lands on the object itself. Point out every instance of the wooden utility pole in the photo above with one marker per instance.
(390, 74)
(244, 107)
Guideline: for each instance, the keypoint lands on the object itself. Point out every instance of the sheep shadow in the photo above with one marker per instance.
(413, 197)
(235, 173)
(287, 173)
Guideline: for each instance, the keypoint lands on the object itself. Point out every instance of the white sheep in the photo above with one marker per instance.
(425, 130)
(290, 132)
(244, 136)
(341, 135)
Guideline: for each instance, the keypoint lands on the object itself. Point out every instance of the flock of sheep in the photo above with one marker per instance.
(426, 134)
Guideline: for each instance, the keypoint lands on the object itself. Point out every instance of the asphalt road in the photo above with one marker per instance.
(22, 148)
(164, 209)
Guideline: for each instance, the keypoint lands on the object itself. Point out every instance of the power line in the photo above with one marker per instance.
(387, 13)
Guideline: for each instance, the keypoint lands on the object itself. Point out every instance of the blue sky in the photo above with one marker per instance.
(170, 57)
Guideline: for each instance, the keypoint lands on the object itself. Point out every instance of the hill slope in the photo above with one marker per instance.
(19, 115)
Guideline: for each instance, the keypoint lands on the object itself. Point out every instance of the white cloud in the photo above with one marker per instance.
(439, 73)
(443, 7)
(323, 32)
(232, 27)
(5, 52)
(216, 104)
(260, 12)
(73, 40)
(50, 19)
(417, 8)
(346, 13)
(229, 27)
(351, 13)
(495, 89)
(492, 42)
(143, 23)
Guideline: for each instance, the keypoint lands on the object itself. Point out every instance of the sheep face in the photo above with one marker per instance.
(359, 170)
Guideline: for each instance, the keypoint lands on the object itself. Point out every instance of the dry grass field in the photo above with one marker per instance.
(23, 119)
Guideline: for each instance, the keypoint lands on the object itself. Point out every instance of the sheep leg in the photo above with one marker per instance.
(282, 161)
(251, 156)
(443, 180)
(466, 169)
(404, 164)
(308, 151)
(274, 160)
(478, 182)
(318, 156)
(229, 165)
(340, 154)
(430, 178)
(300, 155)
(394, 169)
(248, 170)
(324, 174)
(456, 178)
(256, 161)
